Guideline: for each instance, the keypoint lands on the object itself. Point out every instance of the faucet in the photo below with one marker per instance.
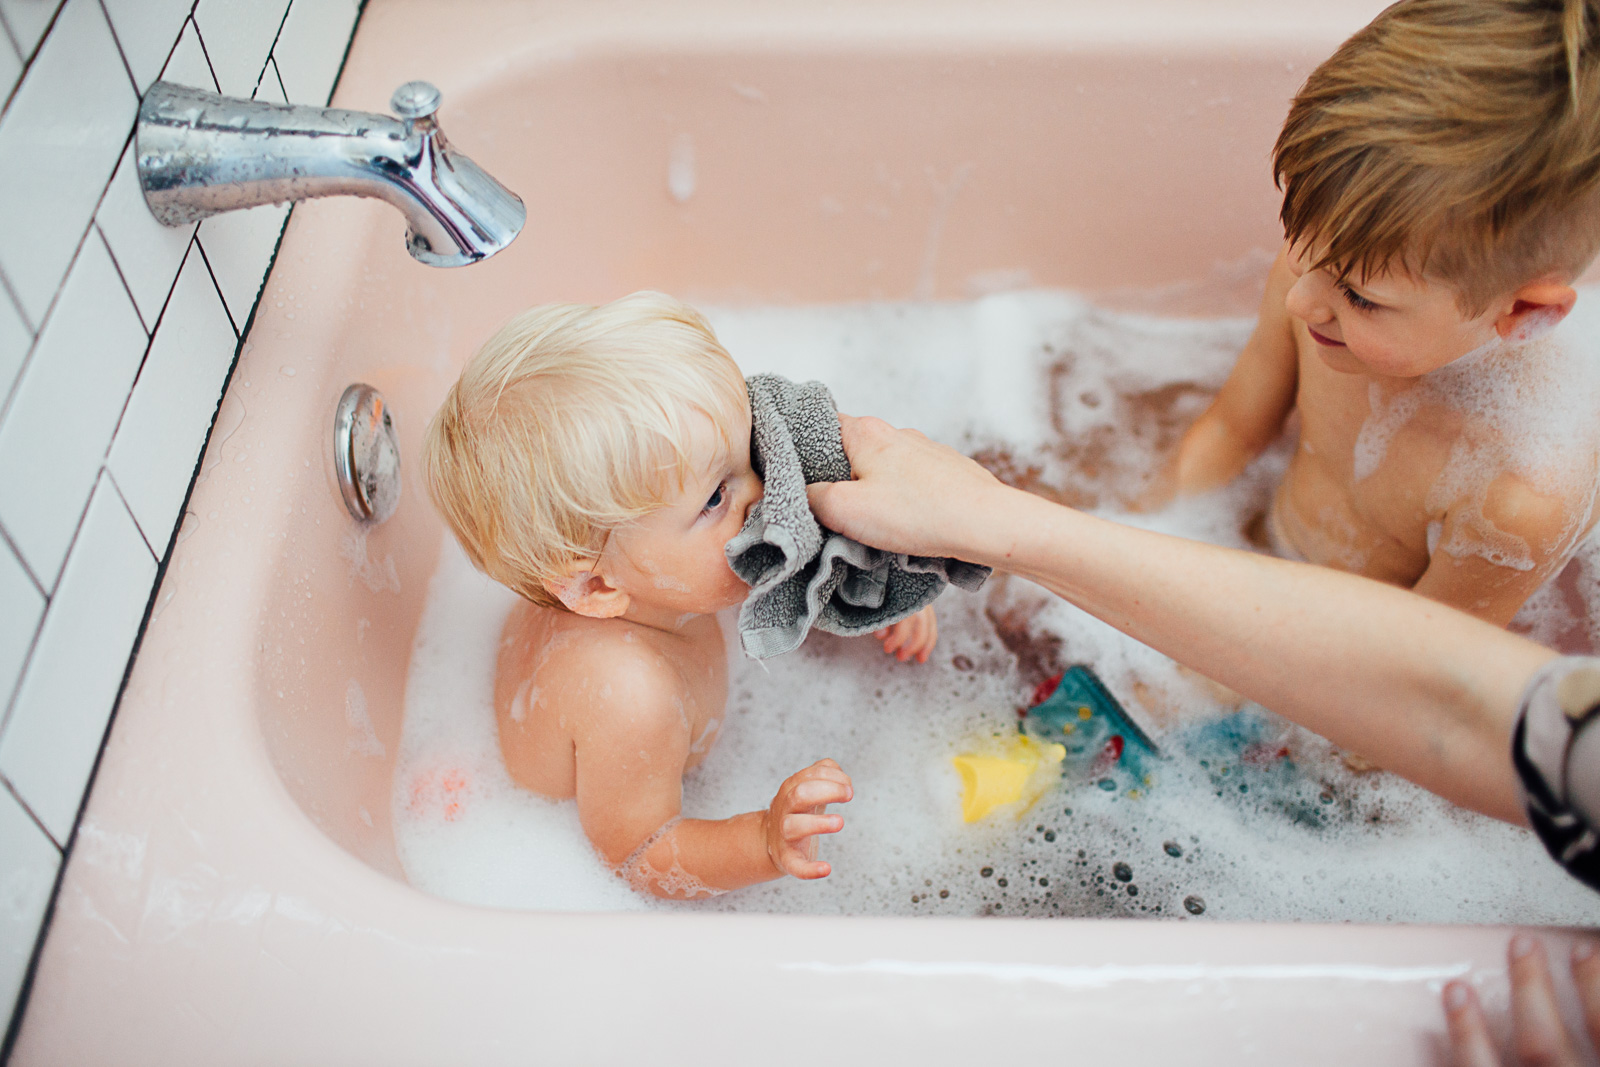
(201, 154)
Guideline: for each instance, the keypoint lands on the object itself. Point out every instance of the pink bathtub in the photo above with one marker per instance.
(234, 894)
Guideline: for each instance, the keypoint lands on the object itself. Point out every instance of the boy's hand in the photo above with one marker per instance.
(911, 638)
(796, 816)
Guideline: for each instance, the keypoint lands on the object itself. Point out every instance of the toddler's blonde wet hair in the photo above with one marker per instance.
(570, 422)
(1456, 139)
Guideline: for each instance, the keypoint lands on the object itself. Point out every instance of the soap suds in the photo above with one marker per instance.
(1526, 410)
(1247, 818)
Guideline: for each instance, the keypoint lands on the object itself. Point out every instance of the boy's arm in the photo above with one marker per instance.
(1531, 534)
(1248, 414)
(630, 758)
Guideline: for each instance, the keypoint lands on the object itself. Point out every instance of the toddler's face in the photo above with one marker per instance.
(1395, 324)
(671, 562)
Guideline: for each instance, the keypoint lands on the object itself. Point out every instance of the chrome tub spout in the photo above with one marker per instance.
(201, 154)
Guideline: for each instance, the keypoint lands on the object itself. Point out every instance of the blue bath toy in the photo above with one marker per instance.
(1103, 742)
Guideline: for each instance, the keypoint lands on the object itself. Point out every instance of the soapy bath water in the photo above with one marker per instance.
(1247, 817)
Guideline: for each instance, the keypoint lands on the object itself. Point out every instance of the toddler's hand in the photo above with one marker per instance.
(913, 637)
(796, 816)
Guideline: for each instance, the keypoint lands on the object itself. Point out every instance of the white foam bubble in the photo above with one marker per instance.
(1081, 404)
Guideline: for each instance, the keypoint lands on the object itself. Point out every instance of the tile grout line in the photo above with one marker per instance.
(226, 310)
(123, 278)
(5, 537)
(7, 35)
(270, 49)
(28, 61)
(33, 642)
(117, 41)
(277, 74)
(148, 348)
(111, 476)
(22, 313)
(72, 264)
(28, 810)
(198, 36)
(27, 353)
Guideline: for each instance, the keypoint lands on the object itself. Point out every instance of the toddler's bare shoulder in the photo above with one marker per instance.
(621, 678)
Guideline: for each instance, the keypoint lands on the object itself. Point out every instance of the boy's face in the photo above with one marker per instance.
(1395, 324)
(671, 562)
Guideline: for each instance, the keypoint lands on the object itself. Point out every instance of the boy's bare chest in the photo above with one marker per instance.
(1361, 489)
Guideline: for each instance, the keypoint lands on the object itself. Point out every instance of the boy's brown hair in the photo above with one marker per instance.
(1458, 139)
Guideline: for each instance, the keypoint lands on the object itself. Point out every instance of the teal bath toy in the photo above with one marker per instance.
(1103, 742)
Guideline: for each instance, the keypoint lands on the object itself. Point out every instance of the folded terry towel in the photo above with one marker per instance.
(800, 574)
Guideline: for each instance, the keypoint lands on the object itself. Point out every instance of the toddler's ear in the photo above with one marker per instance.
(1535, 308)
(586, 593)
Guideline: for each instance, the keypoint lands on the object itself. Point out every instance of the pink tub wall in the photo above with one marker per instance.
(871, 151)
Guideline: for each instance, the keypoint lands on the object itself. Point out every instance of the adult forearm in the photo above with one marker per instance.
(1424, 690)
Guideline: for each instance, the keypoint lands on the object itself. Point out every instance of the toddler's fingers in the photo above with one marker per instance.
(829, 774)
(799, 827)
(1586, 976)
(818, 791)
(1541, 1035)
(823, 770)
(1470, 1045)
(804, 869)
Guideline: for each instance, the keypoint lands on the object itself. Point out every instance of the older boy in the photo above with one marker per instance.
(1440, 198)
(596, 460)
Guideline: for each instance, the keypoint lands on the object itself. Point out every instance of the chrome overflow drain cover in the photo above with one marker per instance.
(366, 453)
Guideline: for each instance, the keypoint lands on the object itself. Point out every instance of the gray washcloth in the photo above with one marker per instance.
(800, 574)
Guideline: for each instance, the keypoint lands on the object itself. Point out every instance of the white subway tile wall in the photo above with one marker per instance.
(239, 35)
(147, 253)
(31, 861)
(146, 29)
(77, 83)
(116, 338)
(15, 340)
(170, 411)
(54, 731)
(65, 410)
(10, 65)
(27, 21)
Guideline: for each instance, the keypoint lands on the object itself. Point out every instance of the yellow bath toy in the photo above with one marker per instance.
(990, 779)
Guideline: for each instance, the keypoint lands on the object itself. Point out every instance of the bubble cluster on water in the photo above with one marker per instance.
(1245, 816)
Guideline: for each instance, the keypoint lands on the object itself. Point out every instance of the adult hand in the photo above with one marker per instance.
(910, 494)
(1539, 1036)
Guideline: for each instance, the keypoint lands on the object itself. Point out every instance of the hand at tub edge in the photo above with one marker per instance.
(1423, 690)
(1538, 1033)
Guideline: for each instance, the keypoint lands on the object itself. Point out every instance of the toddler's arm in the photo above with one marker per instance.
(630, 762)
(1491, 557)
(1248, 414)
